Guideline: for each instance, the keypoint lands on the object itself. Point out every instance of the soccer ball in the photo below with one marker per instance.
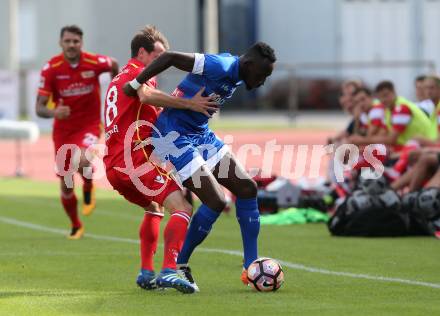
(265, 275)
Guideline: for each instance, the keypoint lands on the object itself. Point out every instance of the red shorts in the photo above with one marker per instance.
(83, 138)
(153, 186)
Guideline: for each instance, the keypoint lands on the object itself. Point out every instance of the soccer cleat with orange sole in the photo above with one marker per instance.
(76, 233)
(87, 208)
(244, 277)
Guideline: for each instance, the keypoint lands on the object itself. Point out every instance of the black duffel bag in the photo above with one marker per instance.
(424, 212)
(368, 215)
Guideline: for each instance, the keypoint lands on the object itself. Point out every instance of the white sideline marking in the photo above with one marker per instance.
(63, 253)
(291, 265)
(56, 205)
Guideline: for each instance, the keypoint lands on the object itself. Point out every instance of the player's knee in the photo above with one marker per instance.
(83, 163)
(65, 191)
(247, 189)
(177, 203)
(153, 207)
(186, 207)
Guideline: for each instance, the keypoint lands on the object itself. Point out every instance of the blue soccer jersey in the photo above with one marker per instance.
(219, 74)
(189, 143)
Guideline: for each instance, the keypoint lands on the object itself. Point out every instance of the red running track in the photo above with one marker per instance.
(38, 158)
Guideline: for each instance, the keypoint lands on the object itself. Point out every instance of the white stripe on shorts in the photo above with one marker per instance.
(188, 170)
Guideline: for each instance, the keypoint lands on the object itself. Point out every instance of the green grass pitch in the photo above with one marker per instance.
(43, 273)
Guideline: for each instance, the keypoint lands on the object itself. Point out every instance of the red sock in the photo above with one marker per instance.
(401, 164)
(70, 206)
(87, 184)
(174, 236)
(149, 234)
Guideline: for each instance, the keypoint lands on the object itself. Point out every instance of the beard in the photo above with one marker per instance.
(72, 54)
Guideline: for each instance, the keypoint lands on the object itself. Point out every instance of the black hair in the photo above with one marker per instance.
(75, 29)
(420, 78)
(384, 85)
(362, 89)
(262, 50)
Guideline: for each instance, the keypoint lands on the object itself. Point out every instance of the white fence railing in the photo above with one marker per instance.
(289, 83)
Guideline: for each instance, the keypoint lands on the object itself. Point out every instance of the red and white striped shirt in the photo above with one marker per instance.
(400, 118)
(376, 116)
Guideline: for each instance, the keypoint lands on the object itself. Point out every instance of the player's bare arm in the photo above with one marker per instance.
(198, 103)
(425, 142)
(388, 139)
(114, 68)
(182, 61)
(41, 107)
(60, 112)
(373, 130)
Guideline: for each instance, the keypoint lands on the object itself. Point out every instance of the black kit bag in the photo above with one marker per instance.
(424, 211)
(368, 215)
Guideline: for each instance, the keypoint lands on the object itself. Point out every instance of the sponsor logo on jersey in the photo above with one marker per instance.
(225, 87)
(77, 89)
(61, 77)
(87, 74)
(217, 98)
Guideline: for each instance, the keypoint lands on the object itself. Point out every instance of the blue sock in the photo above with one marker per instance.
(199, 228)
(248, 217)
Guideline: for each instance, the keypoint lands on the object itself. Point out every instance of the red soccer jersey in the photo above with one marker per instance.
(121, 111)
(78, 86)
(400, 117)
(376, 116)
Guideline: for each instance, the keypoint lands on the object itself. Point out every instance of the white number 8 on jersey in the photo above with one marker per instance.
(112, 97)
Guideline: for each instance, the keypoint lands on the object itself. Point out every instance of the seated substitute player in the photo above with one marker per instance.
(403, 119)
(346, 101)
(373, 111)
(431, 106)
(425, 159)
(204, 163)
(71, 80)
(405, 122)
(420, 89)
(125, 129)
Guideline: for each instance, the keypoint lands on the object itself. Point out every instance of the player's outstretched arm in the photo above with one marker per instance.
(198, 103)
(182, 61)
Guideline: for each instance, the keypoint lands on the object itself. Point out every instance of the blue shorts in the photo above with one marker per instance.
(188, 152)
